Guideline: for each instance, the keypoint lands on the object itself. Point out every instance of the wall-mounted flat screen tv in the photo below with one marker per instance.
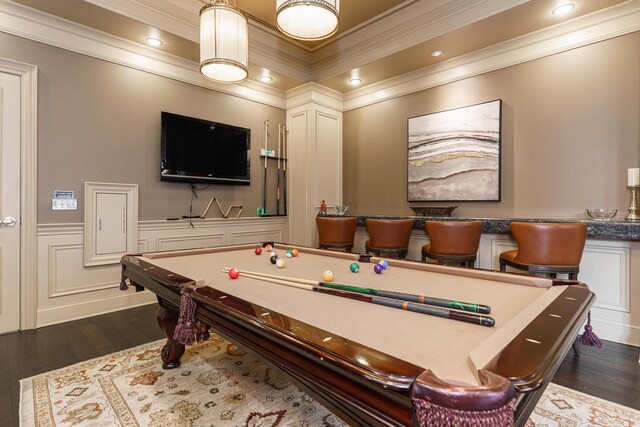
(197, 150)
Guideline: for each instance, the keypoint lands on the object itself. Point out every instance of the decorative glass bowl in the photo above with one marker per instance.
(340, 210)
(602, 214)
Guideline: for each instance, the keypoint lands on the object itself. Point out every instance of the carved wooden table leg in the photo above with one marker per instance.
(172, 350)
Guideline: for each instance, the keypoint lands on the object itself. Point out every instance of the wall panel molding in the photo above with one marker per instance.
(190, 241)
(68, 290)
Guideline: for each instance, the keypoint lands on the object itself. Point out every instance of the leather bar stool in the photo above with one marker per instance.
(389, 236)
(547, 249)
(336, 233)
(452, 241)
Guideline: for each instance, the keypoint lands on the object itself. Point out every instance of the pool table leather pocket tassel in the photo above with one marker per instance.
(186, 328)
(589, 338)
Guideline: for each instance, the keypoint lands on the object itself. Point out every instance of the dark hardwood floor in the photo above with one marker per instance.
(612, 373)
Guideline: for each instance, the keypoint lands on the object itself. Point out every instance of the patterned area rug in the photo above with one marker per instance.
(220, 385)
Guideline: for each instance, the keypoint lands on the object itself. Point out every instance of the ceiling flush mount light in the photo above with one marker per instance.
(308, 19)
(563, 9)
(265, 78)
(436, 53)
(152, 41)
(224, 42)
(355, 81)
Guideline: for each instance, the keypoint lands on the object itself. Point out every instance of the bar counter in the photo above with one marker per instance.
(604, 229)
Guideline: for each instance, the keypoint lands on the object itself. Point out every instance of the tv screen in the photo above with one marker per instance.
(196, 150)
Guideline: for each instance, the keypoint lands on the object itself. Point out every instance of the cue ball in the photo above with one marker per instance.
(378, 268)
(273, 258)
(354, 267)
(384, 264)
(327, 276)
(258, 251)
(268, 248)
(280, 263)
(233, 273)
(289, 253)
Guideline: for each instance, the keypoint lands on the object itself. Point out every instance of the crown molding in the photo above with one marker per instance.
(609, 23)
(411, 25)
(44, 28)
(181, 19)
(270, 51)
(313, 93)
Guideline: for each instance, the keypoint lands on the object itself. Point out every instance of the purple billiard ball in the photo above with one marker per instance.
(378, 268)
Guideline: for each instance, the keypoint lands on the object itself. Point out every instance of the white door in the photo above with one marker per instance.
(9, 202)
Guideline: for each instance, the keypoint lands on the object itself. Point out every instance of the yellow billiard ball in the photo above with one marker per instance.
(327, 276)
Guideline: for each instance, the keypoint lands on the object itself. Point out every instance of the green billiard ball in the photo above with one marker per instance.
(354, 267)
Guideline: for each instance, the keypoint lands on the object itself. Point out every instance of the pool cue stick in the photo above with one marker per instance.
(387, 302)
(278, 183)
(430, 310)
(284, 167)
(264, 184)
(422, 299)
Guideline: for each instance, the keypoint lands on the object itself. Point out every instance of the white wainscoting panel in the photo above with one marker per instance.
(605, 268)
(68, 290)
(175, 243)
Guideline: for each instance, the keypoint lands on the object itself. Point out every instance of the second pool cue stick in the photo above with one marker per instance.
(430, 310)
(278, 153)
(264, 184)
(284, 167)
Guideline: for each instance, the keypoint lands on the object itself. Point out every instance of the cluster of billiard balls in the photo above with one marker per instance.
(327, 276)
(279, 262)
(354, 267)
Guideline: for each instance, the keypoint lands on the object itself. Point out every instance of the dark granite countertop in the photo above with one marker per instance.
(613, 230)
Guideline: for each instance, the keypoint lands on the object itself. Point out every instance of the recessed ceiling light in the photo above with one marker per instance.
(563, 9)
(355, 81)
(265, 78)
(436, 53)
(152, 41)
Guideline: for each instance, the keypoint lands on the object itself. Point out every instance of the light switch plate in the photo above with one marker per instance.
(64, 204)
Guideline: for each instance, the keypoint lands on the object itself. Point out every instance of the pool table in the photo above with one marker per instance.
(371, 364)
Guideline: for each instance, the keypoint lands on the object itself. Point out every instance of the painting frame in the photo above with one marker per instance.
(456, 155)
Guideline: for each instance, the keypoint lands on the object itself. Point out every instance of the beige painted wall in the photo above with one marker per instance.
(100, 122)
(571, 128)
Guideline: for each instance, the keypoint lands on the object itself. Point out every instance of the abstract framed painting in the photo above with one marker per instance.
(454, 155)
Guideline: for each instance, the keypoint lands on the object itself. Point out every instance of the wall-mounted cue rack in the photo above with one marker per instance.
(274, 162)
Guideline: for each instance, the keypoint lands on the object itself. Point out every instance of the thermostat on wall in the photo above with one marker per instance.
(63, 201)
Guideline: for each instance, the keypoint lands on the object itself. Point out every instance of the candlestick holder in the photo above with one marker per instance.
(633, 206)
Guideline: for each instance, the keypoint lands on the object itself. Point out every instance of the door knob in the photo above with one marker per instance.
(8, 221)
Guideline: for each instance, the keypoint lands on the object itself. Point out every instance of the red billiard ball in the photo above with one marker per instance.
(295, 252)
(258, 251)
(233, 273)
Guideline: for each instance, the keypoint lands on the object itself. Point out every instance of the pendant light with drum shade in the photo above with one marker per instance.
(224, 42)
(308, 20)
